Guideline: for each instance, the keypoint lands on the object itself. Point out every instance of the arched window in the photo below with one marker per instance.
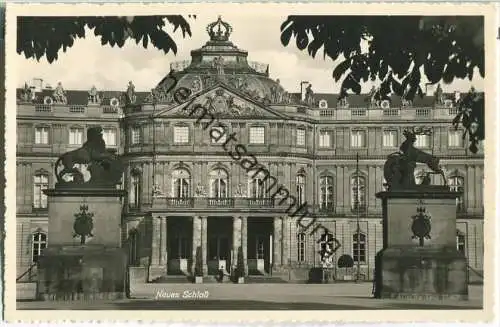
(359, 247)
(135, 190)
(326, 193)
(456, 184)
(301, 188)
(218, 183)
(301, 247)
(181, 181)
(358, 193)
(40, 183)
(257, 185)
(461, 243)
(39, 242)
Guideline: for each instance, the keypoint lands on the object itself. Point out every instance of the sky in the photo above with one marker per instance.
(89, 63)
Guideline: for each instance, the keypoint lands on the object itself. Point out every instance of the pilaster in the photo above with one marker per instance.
(204, 243)
(163, 241)
(197, 226)
(244, 241)
(277, 237)
(285, 240)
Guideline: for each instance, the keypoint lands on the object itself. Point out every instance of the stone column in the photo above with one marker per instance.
(163, 242)
(244, 241)
(157, 266)
(277, 236)
(236, 239)
(285, 240)
(204, 243)
(155, 241)
(196, 241)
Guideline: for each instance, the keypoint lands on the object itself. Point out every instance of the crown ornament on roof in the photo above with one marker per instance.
(219, 30)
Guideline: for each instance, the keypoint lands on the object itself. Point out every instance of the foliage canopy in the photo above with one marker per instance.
(395, 50)
(45, 36)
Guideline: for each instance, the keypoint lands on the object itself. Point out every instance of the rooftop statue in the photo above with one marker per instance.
(89, 166)
(59, 94)
(93, 95)
(438, 95)
(309, 98)
(130, 94)
(399, 169)
(406, 100)
(26, 93)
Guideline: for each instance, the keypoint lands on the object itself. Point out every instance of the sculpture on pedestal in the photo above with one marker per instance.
(93, 95)
(400, 166)
(59, 94)
(26, 93)
(90, 165)
(130, 94)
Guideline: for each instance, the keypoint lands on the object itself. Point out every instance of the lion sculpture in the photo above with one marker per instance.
(90, 165)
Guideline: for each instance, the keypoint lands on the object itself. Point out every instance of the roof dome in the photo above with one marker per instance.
(220, 61)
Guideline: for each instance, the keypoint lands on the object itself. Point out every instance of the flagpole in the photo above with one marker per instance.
(357, 215)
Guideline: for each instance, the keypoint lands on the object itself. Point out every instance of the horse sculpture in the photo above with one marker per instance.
(103, 167)
(400, 166)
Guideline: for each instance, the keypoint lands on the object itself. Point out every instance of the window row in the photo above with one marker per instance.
(358, 137)
(75, 136)
(218, 135)
(390, 139)
(257, 187)
(359, 248)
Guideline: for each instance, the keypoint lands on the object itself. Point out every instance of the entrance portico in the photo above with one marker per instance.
(218, 239)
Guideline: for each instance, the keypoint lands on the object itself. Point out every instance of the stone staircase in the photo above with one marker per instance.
(172, 279)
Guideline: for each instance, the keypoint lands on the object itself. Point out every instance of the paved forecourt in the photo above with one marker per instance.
(345, 296)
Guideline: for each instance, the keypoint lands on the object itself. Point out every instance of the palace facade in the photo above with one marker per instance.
(189, 197)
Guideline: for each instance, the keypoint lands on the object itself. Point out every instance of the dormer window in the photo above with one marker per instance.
(323, 104)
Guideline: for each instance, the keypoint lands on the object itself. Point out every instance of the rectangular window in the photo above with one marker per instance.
(359, 247)
(41, 182)
(218, 136)
(75, 136)
(325, 139)
(136, 135)
(109, 135)
(390, 138)
(181, 134)
(301, 137)
(39, 242)
(42, 135)
(358, 139)
(455, 139)
(423, 141)
(257, 135)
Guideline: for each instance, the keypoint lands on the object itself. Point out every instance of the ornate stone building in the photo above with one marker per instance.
(190, 193)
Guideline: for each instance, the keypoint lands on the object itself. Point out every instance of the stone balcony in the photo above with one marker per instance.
(70, 111)
(195, 204)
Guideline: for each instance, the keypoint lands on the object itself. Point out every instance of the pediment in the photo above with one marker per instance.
(221, 102)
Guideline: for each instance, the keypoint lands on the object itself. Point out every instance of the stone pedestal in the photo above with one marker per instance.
(419, 258)
(88, 272)
(73, 267)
